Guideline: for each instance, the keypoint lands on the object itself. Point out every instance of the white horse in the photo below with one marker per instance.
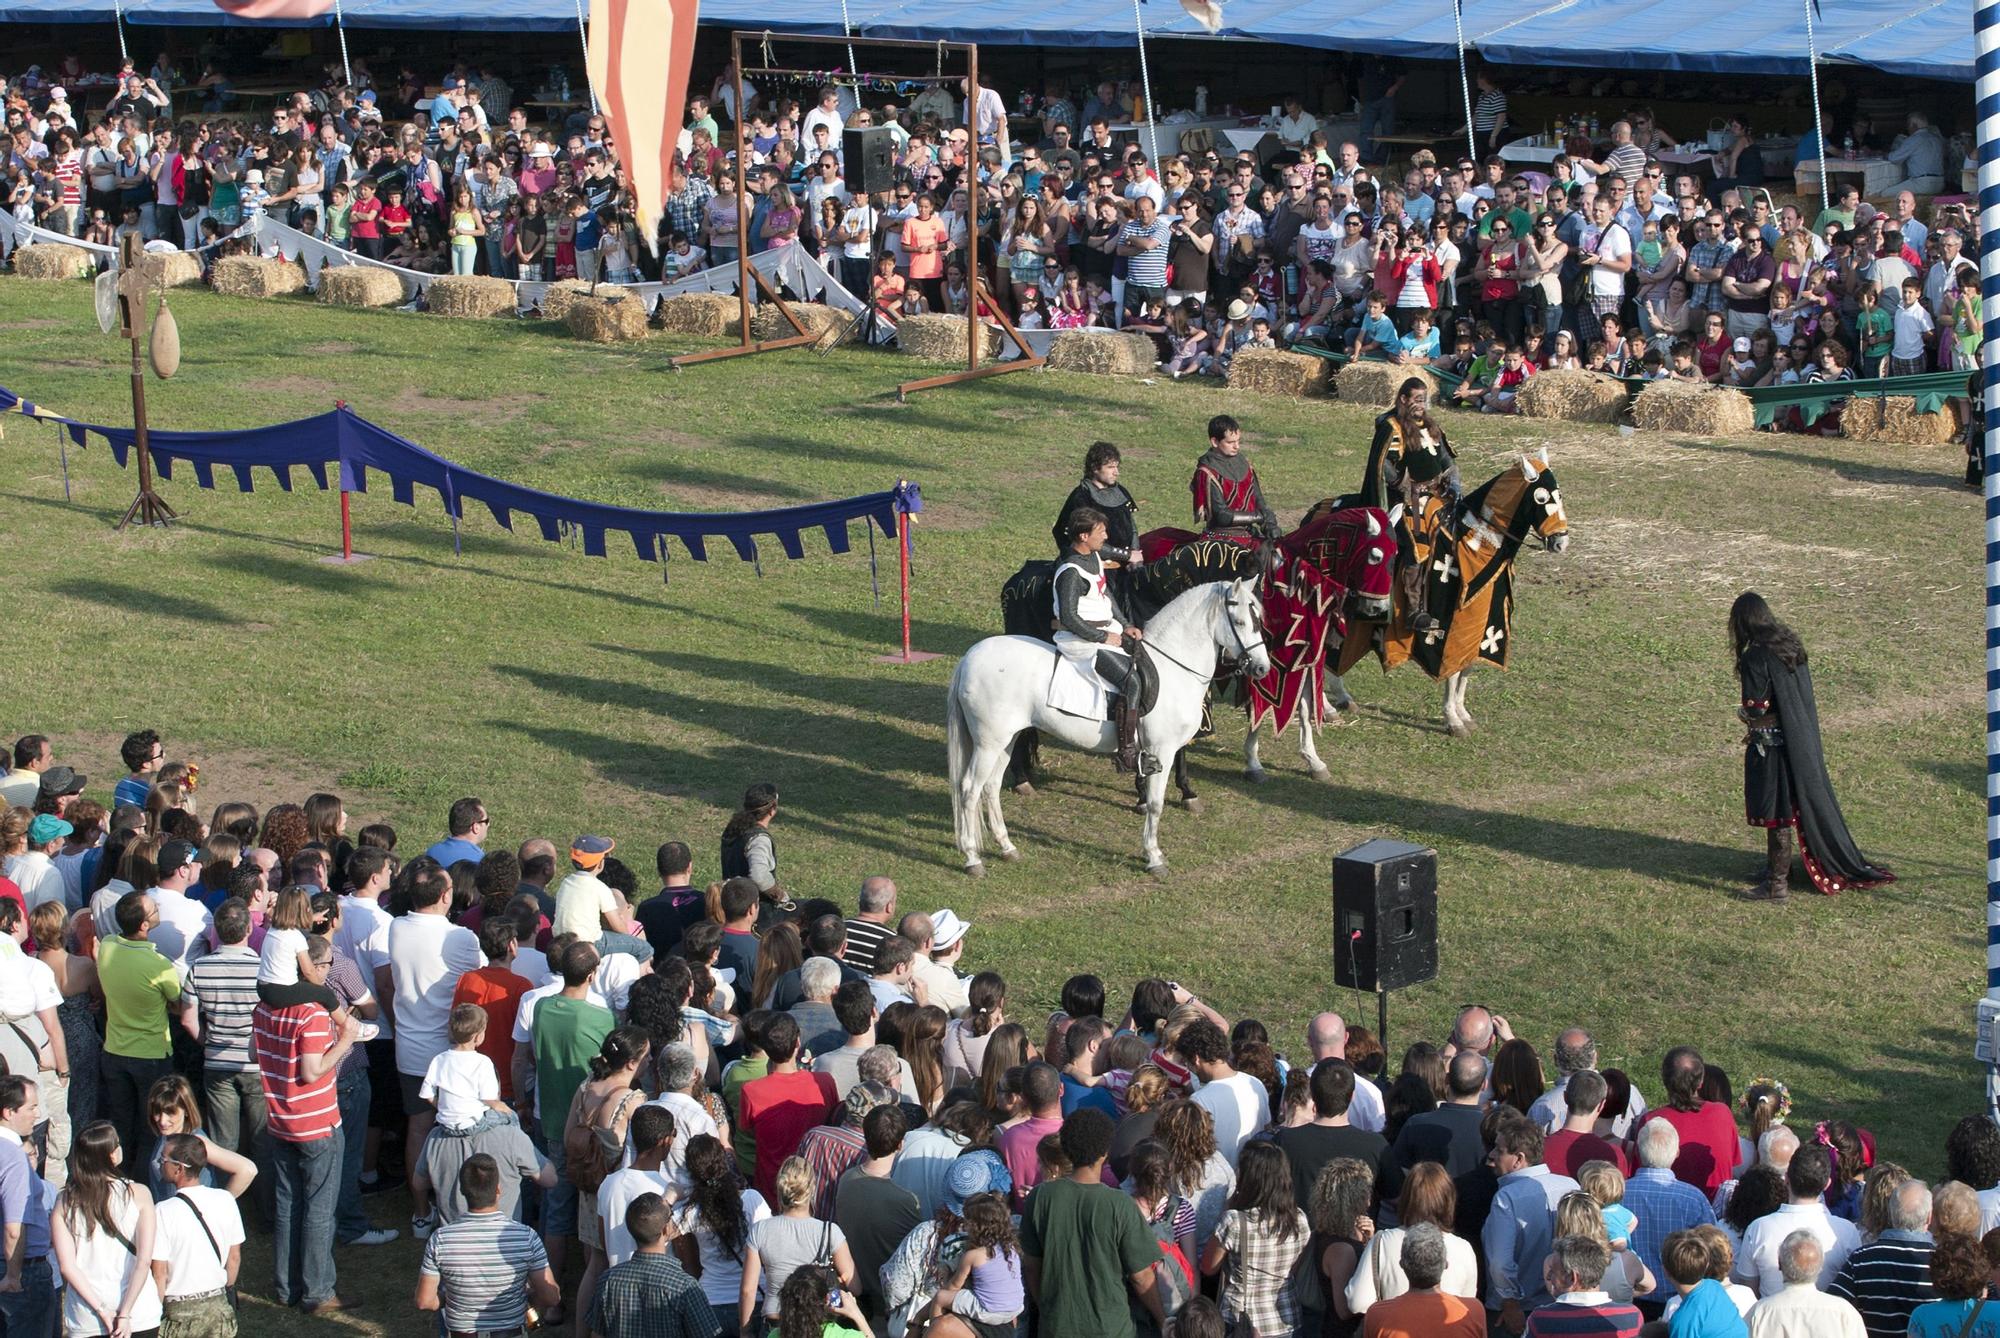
(1001, 687)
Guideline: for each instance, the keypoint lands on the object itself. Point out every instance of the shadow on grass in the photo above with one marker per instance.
(840, 801)
(869, 627)
(1969, 776)
(134, 599)
(773, 444)
(1852, 470)
(1929, 1075)
(670, 475)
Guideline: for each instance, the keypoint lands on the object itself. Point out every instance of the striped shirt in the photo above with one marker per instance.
(1591, 1313)
(224, 985)
(299, 1111)
(483, 1262)
(1887, 1279)
(828, 1151)
(865, 936)
(1486, 114)
(1146, 269)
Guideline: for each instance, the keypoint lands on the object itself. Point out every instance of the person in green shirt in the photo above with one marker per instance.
(1874, 330)
(565, 1030)
(1841, 212)
(1086, 1254)
(141, 991)
(753, 1065)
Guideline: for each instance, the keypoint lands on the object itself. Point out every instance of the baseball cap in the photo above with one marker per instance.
(367, 96)
(1742, 344)
(47, 827)
(587, 852)
(946, 928)
(175, 855)
(59, 781)
(977, 1172)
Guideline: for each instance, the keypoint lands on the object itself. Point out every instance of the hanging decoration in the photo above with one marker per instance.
(640, 55)
(274, 9)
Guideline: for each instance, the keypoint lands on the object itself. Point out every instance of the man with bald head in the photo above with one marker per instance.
(1448, 1135)
(1575, 1051)
(1326, 1038)
(538, 870)
(1478, 1029)
(873, 924)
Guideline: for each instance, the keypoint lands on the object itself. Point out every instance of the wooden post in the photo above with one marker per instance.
(148, 508)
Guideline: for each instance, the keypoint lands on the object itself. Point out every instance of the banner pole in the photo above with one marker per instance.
(907, 655)
(346, 529)
(1986, 41)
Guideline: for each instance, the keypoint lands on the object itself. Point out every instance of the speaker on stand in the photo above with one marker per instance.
(1384, 920)
(868, 166)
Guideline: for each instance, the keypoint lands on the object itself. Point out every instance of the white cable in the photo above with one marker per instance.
(340, 26)
(1819, 118)
(847, 31)
(583, 35)
(1464, 84)
(1146, 88)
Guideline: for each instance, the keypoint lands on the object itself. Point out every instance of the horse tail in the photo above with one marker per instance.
(966, 823)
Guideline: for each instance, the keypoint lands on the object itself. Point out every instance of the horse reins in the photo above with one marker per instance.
(1152, 648)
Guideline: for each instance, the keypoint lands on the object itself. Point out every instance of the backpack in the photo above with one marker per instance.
(586, 1157)
(1173, 1276)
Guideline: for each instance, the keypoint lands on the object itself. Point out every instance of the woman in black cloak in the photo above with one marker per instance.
(1785, 784)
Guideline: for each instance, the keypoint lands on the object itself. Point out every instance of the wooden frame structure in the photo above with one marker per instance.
(747, 274)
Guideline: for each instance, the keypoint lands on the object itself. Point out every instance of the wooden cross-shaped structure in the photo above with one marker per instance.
(148, 508)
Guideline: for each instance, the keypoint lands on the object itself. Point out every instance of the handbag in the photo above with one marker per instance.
(229, 1289)
(1972, 1318)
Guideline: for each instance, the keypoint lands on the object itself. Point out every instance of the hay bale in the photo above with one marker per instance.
(937, 338)
(1895, 418)
(254, 276)
(557, 298)
(171, 269)
(53, 260)
(1574, 396)
(1273, 371)
(607, 320)
(1375, 383)
(471, 297)
(712, 315)
(1691, 407)
(1103, 353)
(820, 320)
(360, 286)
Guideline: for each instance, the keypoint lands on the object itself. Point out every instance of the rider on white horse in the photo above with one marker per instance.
(1090, 631)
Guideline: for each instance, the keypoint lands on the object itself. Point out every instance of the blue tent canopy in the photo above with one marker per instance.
(1922, 38)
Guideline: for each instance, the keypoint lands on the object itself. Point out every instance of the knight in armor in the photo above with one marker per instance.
(1101, 491)
(1228, 503)
(1409, 462)
(1092, 630)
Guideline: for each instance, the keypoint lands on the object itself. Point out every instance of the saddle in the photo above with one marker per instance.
(1149, 678)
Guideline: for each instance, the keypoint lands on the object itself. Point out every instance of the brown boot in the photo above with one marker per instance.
(1126, 717)
(1776, 884)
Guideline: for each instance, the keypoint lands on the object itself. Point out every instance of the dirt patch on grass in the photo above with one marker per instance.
(493, 412)
(332, 348)
(38, 323)
(226, 773)
(65, 365)
(1660, 555)
(695, 497)
(309, 391)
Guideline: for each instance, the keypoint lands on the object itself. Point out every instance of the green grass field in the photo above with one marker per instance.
(1589, 835)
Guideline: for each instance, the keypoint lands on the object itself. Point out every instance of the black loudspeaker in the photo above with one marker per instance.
(868, 159)
(1384, 916)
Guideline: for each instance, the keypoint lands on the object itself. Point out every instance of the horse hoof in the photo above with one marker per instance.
(1011, 855)
(1254, 777)
(1026, 789)
(1322, 773)
(1157, 870)
(975, 871)
(1459, 730)
(1192, 804)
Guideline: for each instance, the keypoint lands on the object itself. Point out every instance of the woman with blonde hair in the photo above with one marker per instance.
(166, 795)
(781, 1245)
(1429, 1196)
(1580, 1214)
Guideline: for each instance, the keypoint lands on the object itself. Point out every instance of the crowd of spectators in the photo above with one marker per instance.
(647, 1112)
(1609, 259)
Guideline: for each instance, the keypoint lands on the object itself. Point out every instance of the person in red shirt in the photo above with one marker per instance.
(1707, 1128)
(779, 1109)
(395, 218)
(1576, 1142)
(498, 990)
(299, 1049)
(364, 225)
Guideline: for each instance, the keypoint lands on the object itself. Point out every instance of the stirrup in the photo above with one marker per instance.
(1149, 765)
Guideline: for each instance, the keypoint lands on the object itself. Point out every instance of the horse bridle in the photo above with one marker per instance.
(1242, 647)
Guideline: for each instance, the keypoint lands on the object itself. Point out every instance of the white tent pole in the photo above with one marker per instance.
(118, 17)
(847, 31)
(583, 36)
(1146, 89)
(340, 26)
(1464, 84)
(1819, 118)
(1986, 43)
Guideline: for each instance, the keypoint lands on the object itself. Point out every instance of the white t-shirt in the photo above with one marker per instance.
(427, 955)
(278, 959)
(1240, 1106)
(182, 933)
(530, 964)
(1366, 1111)
(460, 1083)
(1757, 1262)
(108, 1265)
(721, 1271)
(27, 985)
(192, 1264)
(1912, 324)
(859, 223)
(36, 875)
(689, 1119)
(582, 900)
(363, 937)
(1615, 244)
(614, 1196)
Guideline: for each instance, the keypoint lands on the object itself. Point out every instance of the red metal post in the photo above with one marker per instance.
(346, 529)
